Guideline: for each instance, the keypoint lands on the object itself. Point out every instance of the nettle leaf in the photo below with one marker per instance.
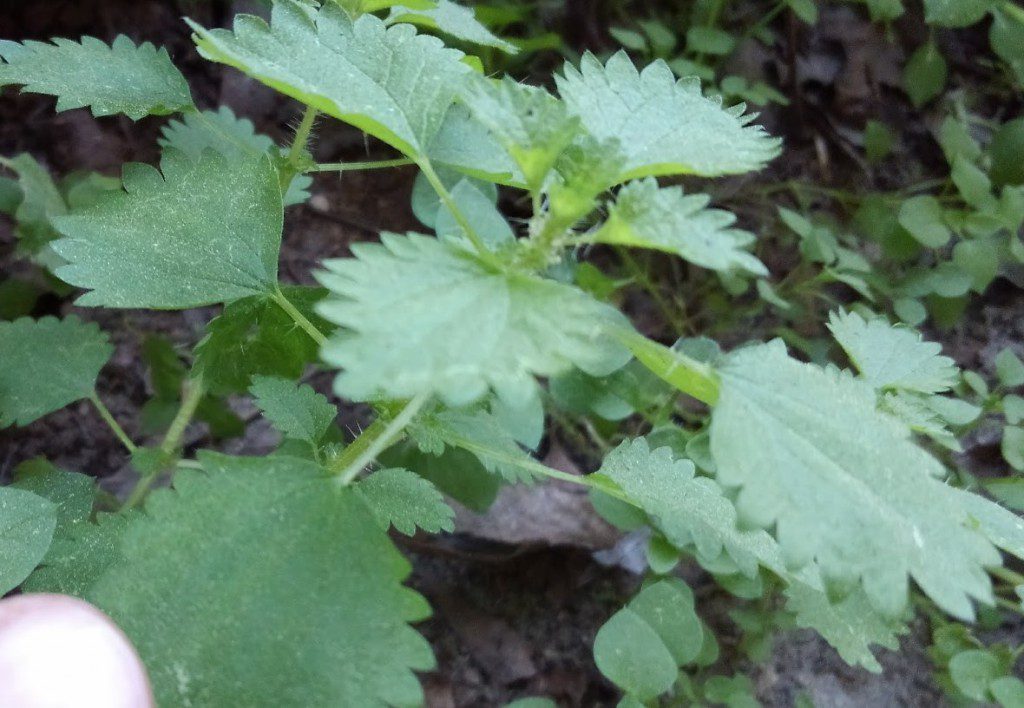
(39, 201)
(425, 316)
(254, 336)
(646, 216)
(279, 573)
(956, 13)
(295, 409)
(664, 125)
(892, 357)
(405, 500)
(220, 131)
(73, 493)
(454, 471)
(389, 82)
(27, 522)
(845, 488)
(686, 508)
(452, 19)
(47, 364)
(477, 431)
(79, 556)
(851, 625)
(202, 232)
(120, 78)
(531, 124)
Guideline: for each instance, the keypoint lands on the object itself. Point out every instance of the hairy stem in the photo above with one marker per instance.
(108, 418)
(374, 440)
(368, 165)
(301, 320)
(302, 134)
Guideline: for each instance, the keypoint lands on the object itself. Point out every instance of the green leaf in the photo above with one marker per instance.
(631, 654)
(120, 78)
(389, 82)
(1009, 369)
(454, 471)
(884, 10)
(647, 216)
(979, 259)
(220, 131)
(73, 493)
(27, 522)
(405, 500)
(1008, 691)
(972, 671)
(47, 364)
(254, 336)
(806, 10)
(265, 548)
(531, 124)
(922, 216)
(481, 213)
(452, 19)
(892, 357)
(203, 232)
(878, 141)
(1007, 149)
(843, 485)
(925, 74)
(688, 509)
(709, 40)
(665, 126)
(851, 625)
(667, 606)
(477, 431)
(956, 13)
(1007, 39)
(80, 555)
(421, 315)
(40, 201)
(295, 409)
(1012, 446)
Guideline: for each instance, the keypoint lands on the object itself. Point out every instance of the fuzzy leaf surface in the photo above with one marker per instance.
(450, 18)
(296, 410)
(254, 336)
(956, 13)
(646, 216)
(119, 78)
(843, 485)
(27, 522)
(851, 625)
(389, 82)
(47, 364)
(422, 315)
(73, 493)
(263, 582)
(220, 131)
(39, 202)
(405, 500)
(79, 556)
(688, 509)
(202, 232)
(892, 357)
(664, 125)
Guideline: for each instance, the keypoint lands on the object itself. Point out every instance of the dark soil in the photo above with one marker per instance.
(517, 618)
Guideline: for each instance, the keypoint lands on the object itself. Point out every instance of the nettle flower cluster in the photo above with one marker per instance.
(273, 580)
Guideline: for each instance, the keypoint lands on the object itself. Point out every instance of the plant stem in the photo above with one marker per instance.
(193, 393)
(1006, 574)
(300, 319)
(374, 440)
(368, 165)
(692, 377)
(301, 138)
(108, 418)
(485, 253)
(1011, 8)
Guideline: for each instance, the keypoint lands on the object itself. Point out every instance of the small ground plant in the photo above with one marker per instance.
(273, 580)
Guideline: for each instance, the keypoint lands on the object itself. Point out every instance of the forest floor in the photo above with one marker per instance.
(518, 594)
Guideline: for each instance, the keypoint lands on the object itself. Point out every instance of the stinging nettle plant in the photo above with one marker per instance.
(807, 478)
